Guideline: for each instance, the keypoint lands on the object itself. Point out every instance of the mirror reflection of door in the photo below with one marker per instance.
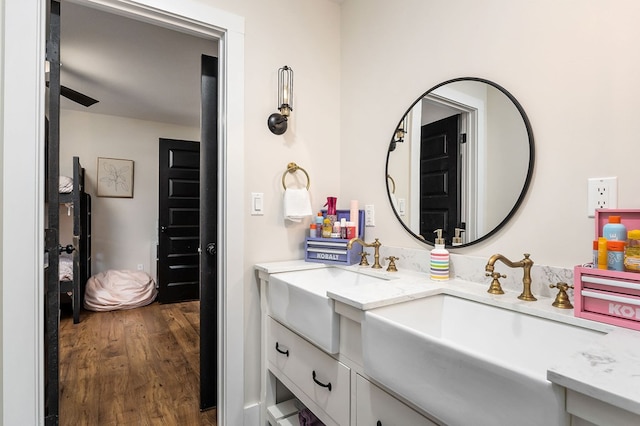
(439, 177)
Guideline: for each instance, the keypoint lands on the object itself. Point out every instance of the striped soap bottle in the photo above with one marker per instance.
(439, 259)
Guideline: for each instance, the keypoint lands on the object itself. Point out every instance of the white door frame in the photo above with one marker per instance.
(22, 91)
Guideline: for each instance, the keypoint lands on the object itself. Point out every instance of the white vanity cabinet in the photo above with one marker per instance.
(332, 386)
(302, 366)
(375, 407)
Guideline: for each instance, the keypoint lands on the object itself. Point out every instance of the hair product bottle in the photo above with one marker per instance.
(614, 230)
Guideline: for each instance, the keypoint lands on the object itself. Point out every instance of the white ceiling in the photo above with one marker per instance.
(133, 68)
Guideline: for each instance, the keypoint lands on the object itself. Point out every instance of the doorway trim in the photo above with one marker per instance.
(22, 92)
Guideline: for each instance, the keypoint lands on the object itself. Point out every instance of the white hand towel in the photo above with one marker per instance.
(297, 204)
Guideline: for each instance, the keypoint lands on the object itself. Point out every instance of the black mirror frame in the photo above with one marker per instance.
(527, 181)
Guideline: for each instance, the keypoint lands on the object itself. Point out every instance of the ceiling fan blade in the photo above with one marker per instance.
(77, 97)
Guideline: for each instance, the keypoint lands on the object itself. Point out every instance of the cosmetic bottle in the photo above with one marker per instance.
(595, 254)
(351, 230)
(632, 252)
(336, 230)
(326, 228)
(331, 209)
(319, 220)
(343, 228)
(602, 253)
(615, 255)
(614, 230)
(312, 230)
(354, 215)
(439, 259)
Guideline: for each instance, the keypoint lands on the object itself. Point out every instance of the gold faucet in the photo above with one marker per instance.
(525, 264)
(376, 246)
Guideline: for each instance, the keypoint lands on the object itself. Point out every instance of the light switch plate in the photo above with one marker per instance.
(257, 203)
(369, 215)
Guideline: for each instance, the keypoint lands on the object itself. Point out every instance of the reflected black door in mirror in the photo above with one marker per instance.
(439, 195)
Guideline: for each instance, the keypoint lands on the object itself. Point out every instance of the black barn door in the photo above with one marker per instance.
(439, 192)
(178, 221)
(209, 235)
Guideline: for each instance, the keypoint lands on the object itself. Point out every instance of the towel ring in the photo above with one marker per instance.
(393, 183)
(292, 168)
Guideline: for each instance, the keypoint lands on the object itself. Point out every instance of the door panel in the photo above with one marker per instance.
(179, 220)
(439, 192)
(209, 235)
(52, 284)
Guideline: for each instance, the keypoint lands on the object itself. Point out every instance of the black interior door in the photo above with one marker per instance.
(52, 284)
(209, 235)
(439, 170)
(178, 221)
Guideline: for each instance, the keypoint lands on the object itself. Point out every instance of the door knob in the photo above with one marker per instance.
(163, 228)
(211, 249)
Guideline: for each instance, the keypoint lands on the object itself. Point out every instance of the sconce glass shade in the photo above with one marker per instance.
(277, 122)
(401, 131)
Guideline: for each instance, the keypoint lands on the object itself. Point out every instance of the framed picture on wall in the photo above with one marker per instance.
(115, 178)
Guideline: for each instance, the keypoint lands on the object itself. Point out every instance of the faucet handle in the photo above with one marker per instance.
(562, 298)
(392, 264)
(363, 259)
(495, 287)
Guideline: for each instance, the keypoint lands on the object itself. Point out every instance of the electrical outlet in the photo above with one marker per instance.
(602, 194)
(369, 215)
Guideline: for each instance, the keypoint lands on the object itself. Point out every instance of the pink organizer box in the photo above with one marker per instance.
(612, 297)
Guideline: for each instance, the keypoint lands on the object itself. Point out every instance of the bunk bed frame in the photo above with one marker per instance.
(81, 202)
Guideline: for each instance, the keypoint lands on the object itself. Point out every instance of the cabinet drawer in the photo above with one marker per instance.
(300, 361)
(375, 405)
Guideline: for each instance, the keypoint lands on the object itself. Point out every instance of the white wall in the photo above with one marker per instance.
(1, 193)
(123, 229)
(573, 65)
(304, 34)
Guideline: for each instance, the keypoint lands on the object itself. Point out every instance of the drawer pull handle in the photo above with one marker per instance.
(328, 385)
(281, 351)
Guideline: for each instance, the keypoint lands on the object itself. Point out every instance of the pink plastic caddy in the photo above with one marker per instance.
(612, 297)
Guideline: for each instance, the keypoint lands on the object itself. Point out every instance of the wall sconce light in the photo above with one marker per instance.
(401, 132)
(277, 122)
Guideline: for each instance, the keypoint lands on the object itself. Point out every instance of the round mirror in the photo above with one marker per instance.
(460, 160)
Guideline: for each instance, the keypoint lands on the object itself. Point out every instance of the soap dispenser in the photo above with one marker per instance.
(457, 239)
(439, 259)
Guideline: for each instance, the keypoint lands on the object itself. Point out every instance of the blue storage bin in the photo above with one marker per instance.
(334, 250)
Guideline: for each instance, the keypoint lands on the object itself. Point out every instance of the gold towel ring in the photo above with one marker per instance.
(292, 168)
(393, 190)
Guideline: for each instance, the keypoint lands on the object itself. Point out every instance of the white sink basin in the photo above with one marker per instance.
(299, 300)
(467, 363)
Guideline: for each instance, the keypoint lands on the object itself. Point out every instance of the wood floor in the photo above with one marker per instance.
(132, 367)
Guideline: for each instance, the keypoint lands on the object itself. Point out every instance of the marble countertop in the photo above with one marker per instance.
(608, 370)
